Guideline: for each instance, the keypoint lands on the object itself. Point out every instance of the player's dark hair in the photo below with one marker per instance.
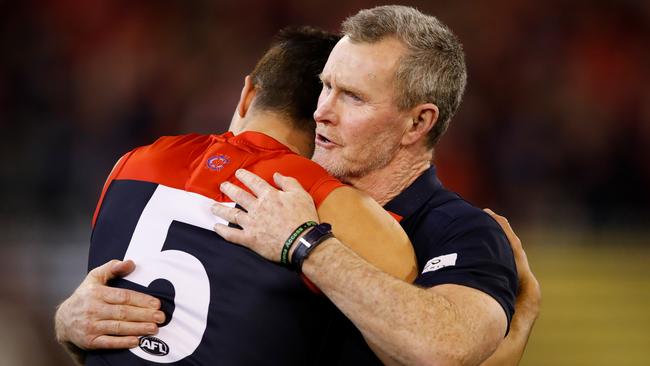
(287, 76)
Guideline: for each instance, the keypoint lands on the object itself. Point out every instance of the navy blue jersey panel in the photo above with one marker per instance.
(260, 313)
(119, 214)
(345, 345)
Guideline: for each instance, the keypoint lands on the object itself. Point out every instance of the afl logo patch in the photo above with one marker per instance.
(154, 346)
(217, 162)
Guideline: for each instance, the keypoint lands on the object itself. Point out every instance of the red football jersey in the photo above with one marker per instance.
(200, 163)
(221, 300)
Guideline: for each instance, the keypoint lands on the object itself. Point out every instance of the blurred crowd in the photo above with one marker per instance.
(554, 128)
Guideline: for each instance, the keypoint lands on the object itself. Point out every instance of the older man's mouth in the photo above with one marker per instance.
(323, 141)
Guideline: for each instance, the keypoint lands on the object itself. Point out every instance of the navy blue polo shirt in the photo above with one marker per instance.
(454, 242)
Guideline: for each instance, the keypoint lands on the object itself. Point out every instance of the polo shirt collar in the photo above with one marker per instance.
(416, 195)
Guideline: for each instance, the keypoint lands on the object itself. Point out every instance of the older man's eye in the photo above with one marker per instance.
(354, 96)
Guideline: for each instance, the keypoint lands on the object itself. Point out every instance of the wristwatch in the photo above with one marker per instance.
(308, 242)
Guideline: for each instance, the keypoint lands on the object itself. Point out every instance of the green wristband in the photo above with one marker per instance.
(284, 256)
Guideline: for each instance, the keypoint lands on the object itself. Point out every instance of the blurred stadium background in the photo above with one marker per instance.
(554, 133)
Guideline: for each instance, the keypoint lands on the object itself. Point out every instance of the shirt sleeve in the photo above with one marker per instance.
(323, 188)
(313, 178)
(114, 172)
(474, 252)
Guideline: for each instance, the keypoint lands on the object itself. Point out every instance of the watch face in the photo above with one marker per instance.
(324, 228)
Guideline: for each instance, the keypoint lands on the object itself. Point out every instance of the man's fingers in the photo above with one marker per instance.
(113, 342)
(103, 273)
(120, 296)
(230, 214)
(530, 294)
(230, 233)
(130, 314)
(287, 184)
(500, 219)
(122, 268)
(120, 328)
(515, 242)
(238, 195)
(256, 184)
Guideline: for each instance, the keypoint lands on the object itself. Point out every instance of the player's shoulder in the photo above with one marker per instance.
(173, 144)
(299, 167)
(170, 148)
(166, 157)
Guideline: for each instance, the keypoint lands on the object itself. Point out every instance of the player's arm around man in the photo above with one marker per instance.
(97, 316)
(442, 325)
(527, 306)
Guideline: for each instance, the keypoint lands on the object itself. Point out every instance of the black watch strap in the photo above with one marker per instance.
(308, 242)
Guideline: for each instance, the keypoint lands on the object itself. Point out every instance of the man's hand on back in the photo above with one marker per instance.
(267, 232)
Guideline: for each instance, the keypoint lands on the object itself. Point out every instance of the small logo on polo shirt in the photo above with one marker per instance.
(217, 162)
(440, 262)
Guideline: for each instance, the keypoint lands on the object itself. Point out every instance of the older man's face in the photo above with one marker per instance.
(359, 127)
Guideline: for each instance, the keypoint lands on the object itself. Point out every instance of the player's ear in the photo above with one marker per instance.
(246, 98)
(422, 118)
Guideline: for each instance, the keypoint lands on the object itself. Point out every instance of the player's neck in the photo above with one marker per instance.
(386, 183)
(282, 130)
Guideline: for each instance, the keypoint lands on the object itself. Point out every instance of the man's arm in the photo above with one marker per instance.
(362, 224)
(96, 316)
(443, 325)
(527, 306)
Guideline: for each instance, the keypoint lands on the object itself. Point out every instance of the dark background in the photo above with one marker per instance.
(554, 132)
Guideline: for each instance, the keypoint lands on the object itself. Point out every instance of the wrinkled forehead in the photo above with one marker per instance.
(373, 63)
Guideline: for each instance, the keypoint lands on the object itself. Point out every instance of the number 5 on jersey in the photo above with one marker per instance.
(183, 334)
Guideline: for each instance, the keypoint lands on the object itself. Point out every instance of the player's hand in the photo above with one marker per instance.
(527, 306)
(100, 317)
(530, 294)
(270, 215)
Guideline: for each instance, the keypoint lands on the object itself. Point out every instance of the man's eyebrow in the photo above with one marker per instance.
(344, 87)
(355, 91)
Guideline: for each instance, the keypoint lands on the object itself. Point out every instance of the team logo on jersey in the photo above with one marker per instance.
(154, 346)
(217, 162)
